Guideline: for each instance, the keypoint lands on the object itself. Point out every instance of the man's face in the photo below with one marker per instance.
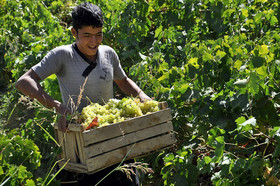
(88, 39)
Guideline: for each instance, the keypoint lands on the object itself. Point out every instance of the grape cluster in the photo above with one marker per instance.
(116, 110)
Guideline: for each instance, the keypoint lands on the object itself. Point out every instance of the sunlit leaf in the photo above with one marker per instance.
(237, 64)
(247, 125)
(207, 159)
(241, 82)
(245, 12)
(158, 31)
(262, 71)
(273, 20)
(207, 56)
(220, 53)
(30, 182)
(264, 50)
(194, 62)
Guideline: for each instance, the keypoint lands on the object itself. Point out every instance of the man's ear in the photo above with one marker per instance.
(74, 32)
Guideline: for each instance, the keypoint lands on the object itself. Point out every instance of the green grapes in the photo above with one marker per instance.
(149, 106)
(116, 111)
(130, 108)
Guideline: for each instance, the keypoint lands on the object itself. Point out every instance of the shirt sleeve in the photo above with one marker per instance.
(50, 64)
(118, 70)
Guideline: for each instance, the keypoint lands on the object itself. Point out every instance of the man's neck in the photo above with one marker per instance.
(88, 59)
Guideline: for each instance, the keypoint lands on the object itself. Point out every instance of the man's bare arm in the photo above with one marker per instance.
(29, 85)
(130, 88)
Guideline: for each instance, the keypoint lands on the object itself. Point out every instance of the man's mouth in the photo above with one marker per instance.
(92, 47)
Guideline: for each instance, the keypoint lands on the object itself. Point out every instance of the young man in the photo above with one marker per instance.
(85, 60)
(84, 63)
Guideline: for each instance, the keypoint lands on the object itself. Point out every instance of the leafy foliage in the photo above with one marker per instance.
(18, 157)
(216, 62)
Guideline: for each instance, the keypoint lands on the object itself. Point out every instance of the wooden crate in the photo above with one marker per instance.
(93, 150)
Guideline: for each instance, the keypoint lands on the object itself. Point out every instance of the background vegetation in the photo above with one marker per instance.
(216, 62)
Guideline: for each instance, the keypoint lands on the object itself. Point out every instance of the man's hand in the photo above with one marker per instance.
(143, 97)
(62, 126)
(62, 121)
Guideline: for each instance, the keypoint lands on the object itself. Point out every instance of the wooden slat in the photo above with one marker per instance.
(76, 167)
(71, 146)
(163, 105)
(127, 139)
(143, 147)
(127, 126)
(76, 127)
(60, 140)
(80, 146)
(55, 126)
(72, 127)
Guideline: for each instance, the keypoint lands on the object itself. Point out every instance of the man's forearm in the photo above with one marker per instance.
(30, 86)
(34, 91)
(130, 88)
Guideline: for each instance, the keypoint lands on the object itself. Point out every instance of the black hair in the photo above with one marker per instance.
(87, 14)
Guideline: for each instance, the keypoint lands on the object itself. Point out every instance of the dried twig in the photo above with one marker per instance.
(129, 169)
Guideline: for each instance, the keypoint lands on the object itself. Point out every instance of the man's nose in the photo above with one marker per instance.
(93, 39)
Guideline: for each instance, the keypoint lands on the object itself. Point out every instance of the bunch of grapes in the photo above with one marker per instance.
(130, 108)
(116, 111)
(149, 106)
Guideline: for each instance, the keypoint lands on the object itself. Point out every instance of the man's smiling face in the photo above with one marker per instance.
(88, 39)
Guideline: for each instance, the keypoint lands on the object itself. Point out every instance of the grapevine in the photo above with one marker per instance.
(116, 110)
